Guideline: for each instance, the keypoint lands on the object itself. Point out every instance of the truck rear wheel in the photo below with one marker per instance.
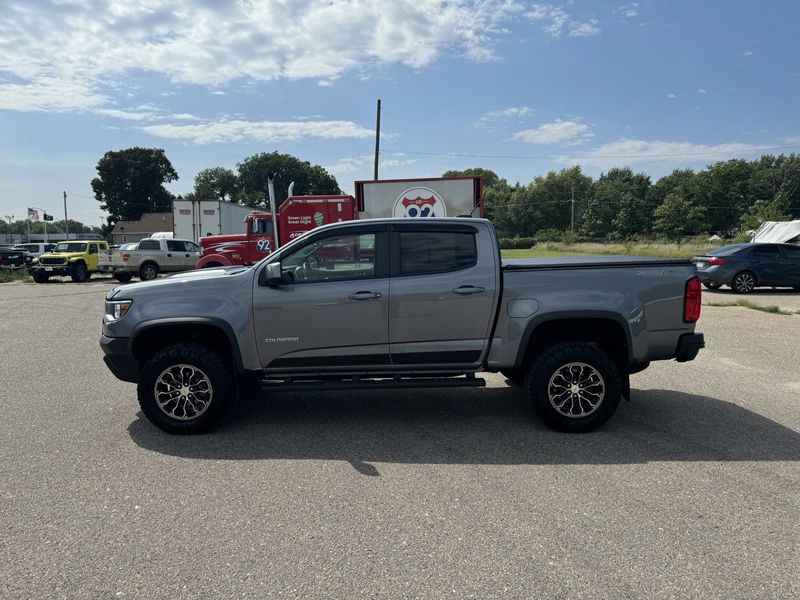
(123, 277)
(79, 273)
(185, 389)
(574, 386)
(148, 272)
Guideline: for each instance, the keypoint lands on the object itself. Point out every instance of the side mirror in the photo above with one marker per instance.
(273, 275)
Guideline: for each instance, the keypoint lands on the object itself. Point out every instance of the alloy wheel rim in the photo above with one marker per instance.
(745, 282)
(576, 390)
(183, 392)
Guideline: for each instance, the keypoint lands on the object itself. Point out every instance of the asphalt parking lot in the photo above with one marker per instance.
(691, 490)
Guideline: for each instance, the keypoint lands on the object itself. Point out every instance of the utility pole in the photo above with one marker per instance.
(572, 215)
(10, 219)
(66, 221)
(377, 139)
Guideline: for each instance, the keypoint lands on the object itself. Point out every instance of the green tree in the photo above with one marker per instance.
(677, 217)
(723, 190)
(490, 178)
(307, 178)
(215, 183)
(608, 194)
(131, 182)
(630, 219)
(764, 210)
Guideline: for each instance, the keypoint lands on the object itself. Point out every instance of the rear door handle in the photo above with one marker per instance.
(364, 295)
(465, 290)
(170, 255)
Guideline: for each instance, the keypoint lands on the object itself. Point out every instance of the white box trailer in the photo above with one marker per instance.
(193, 219)
(414, 198)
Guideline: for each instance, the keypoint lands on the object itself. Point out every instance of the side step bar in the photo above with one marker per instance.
(355, 383)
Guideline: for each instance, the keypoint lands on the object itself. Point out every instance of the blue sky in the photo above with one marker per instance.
(528, 87)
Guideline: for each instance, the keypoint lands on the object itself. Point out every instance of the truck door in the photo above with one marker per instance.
(444, 283)
(331, 310)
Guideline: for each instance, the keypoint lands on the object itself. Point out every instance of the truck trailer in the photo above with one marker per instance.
(433, 197)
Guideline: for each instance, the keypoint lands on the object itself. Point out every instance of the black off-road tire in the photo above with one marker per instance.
(198, 356)
(123, 277)
(148, 271)
(40, 276)
(558, 356)
(79, 273)
(744, 282)
(514, 377)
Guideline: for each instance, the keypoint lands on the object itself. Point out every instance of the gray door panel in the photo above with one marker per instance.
(442, 318)
(311, 325)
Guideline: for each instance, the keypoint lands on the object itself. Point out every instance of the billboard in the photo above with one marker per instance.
(420, 198)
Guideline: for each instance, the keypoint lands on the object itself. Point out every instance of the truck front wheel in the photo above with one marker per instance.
(574, 386)
(40, 276)
(79, 273)
(185, 389)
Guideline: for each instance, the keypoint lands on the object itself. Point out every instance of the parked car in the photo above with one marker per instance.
(11, 258)
(745, 267)
(151, 257)
(411, 303)
(34, 249)
(77, 259)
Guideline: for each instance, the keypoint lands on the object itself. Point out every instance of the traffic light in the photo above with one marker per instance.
(48, 217)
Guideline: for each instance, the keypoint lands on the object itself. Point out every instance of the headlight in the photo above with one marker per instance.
(117, 310)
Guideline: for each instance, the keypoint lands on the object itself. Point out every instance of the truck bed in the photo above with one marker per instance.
(589, 262)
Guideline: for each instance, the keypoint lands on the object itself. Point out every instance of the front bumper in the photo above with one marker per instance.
(689, 344)
(120, 362)
(54, 269)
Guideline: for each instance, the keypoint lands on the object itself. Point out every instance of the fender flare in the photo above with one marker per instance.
(217, 258)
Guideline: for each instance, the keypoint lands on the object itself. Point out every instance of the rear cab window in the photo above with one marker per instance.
(149, 245)
(430, 252)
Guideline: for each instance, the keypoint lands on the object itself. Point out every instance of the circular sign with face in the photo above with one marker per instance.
(418, 202)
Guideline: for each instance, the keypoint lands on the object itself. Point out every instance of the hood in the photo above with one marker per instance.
(178, 280)
(66, 255)
(215, 240)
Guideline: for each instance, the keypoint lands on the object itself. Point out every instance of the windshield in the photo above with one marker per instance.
(70, 247)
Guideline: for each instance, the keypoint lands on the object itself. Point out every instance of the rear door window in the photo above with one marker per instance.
(765, 252)
(149, 245)
(176, 246)
(430, 252)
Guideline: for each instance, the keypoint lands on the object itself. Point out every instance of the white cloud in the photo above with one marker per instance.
(227, 131)
(184, 117)
(124, 114)
(630, 10)
(556, 132)
(366, 162)
(557, 22)
(671, 96)
(748, 53)
(64, 55)
(701, 91)
(631, 152)
(512, 112)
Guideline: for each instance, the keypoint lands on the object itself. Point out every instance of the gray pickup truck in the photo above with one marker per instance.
(405, 303)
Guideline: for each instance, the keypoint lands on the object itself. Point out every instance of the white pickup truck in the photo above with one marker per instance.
(151, 257)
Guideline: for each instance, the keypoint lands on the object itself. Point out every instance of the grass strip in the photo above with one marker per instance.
(775, 310)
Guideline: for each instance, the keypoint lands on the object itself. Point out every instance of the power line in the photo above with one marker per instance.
(595, 156)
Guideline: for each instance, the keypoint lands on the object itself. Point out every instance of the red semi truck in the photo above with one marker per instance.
(398, 198)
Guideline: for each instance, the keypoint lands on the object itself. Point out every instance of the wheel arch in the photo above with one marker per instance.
(608, 330)
(213, 258)
(151, 336)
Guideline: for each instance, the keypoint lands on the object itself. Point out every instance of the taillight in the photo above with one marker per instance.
(692, 298)
(714, 261)
(126, 256)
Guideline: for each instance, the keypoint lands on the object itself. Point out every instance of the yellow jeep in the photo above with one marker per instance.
(78, 259)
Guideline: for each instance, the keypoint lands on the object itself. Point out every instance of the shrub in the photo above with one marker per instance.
(517, 243)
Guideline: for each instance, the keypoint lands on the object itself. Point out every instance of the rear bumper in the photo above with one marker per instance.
(123, 365)
(689, 345)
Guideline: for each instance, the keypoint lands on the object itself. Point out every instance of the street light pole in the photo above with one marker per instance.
(66, 221)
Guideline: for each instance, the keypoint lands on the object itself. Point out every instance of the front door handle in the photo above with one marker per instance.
(465, 290)
(170, 255)
(364, 295)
